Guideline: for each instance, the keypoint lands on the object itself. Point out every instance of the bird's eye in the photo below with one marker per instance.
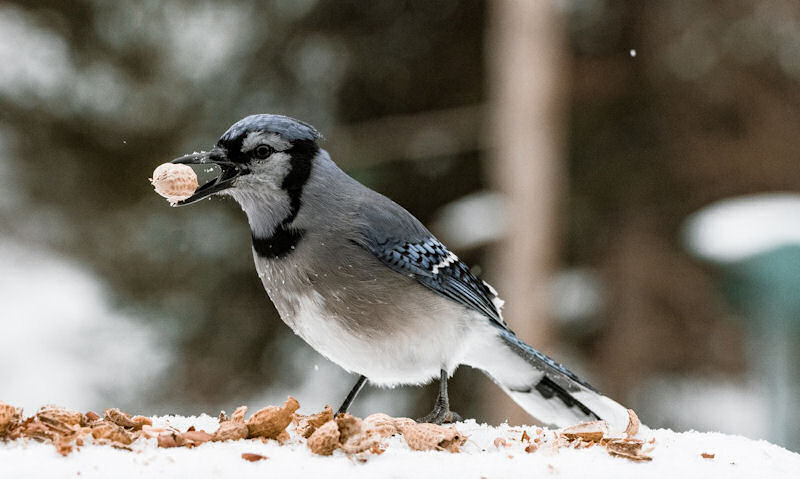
(262, 152)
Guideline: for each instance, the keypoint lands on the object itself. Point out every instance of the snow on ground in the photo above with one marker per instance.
(674, 455)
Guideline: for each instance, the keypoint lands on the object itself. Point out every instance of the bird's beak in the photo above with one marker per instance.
(229, 171)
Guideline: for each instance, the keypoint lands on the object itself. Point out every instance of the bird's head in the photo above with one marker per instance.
(258, 153)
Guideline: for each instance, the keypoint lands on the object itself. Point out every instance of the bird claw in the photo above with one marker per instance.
(441, 416)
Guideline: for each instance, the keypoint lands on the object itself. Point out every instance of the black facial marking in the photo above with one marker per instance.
(280, 244)
(233, 148)
(548, 389)
(301, 155)
(285, 238)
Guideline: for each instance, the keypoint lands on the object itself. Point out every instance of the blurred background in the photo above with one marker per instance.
(625, 173)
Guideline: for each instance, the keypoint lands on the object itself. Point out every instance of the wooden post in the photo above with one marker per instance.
(526, 65)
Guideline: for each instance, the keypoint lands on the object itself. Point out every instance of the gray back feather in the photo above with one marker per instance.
(399, 241)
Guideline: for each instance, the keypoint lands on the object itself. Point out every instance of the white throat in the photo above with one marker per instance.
(265, 208)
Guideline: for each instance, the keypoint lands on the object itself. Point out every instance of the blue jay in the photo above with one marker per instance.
(364, 283)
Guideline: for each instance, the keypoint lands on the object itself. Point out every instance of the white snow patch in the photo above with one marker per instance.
(62, 339)
(674, 455)
(735, 229)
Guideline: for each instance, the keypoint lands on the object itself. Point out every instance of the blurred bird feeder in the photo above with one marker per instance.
(755, 242)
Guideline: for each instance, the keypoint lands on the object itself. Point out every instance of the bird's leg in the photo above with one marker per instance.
(441, 410)
(352, 395)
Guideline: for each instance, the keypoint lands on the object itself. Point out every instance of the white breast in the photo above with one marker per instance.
(390, 360)
(416, 336)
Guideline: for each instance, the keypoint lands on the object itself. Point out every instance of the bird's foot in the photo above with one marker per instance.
(441, 415)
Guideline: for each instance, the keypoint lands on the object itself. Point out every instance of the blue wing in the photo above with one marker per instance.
(402, 243)
(434, 266)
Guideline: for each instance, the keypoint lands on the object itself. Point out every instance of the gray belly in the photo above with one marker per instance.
(369, 319)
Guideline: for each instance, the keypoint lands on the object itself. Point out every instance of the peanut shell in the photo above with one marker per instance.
(381, 424)
(270, 421)
(325, 439)
(9, 417)
(426, 437)
(306, 425)
(589, 431)
(231, 431)
(111, 432)
(633, 424)
(174, 182)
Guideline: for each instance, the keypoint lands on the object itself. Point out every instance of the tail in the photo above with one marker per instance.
(545, 389)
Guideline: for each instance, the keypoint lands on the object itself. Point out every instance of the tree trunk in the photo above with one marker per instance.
(526, 63)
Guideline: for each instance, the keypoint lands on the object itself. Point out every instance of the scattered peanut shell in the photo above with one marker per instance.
(360, 443)
(270, 421)
(36, 430)
(708, 455)
(500, 442)
(238, 414)
(589, 431)
(283, 437)
(231, 431)
(377, 449)
(63, 445)
(111, 432)
(325, 439)
(91, 416)
(141, 421)
(9, 417)
(152, 431)
(627, 448)
(252, 457)
(633, 424)
(349, 426)
(426, 437)
(124, 419)
(195, 438)
(55, 415)
(401, 422)
(118, 417)
(306, 425)
(174, 182)
(353, 438)
(380, 424)
(171, 439)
